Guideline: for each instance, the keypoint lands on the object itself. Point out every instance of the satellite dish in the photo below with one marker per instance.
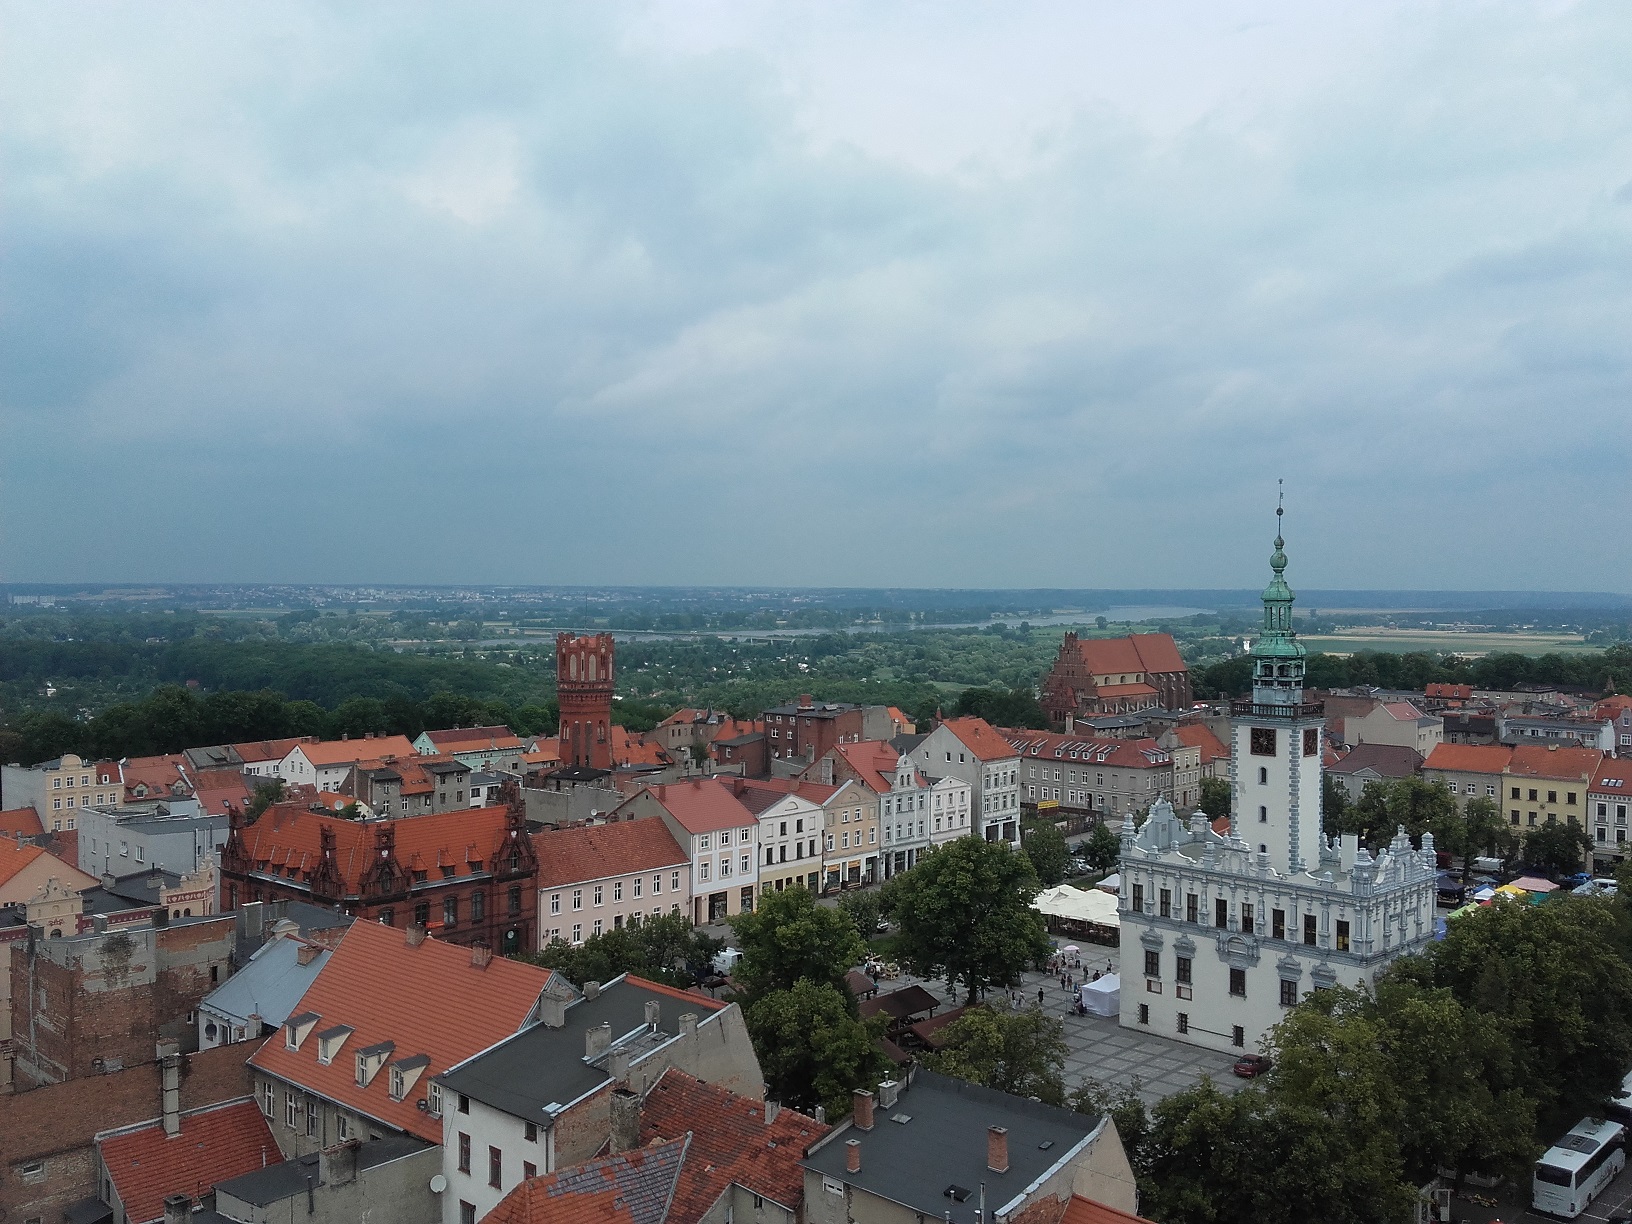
(438, 1184)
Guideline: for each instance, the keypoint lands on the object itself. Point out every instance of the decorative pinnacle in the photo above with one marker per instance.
(1278, 561)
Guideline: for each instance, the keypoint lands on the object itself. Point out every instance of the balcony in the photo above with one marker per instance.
(1247, 708)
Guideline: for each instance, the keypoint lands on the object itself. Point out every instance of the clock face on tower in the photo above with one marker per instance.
(1263, 741)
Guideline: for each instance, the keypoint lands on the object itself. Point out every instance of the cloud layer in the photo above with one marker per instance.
(935, 295)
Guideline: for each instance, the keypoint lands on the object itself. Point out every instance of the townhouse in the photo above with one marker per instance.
(1469, 771)
(720, 838)
(57, 789)
(1533, 784)
(1608, 796)
(388, 1013)
(1395, 722)
(478, 747)
(1100, 779)
(326, 763)
(911, 810)
(598, 878)
(970, 750)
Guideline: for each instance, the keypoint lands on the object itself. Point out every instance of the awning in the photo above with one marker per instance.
(1092, 906)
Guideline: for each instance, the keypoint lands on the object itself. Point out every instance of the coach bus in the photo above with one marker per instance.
(1577, 1168)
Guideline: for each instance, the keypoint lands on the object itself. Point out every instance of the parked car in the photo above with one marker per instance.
(726, 960)
(1250, 1066)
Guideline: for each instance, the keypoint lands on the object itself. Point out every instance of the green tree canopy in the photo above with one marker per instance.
(1103, 848)
(789, 938)
(812, 1050)
(1045, 846)
(965, 912)
(1016, 1051)
(665, 949)
(1215, 797)
(1557, 847)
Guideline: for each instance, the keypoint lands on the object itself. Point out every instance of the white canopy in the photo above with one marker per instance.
(1063, 901)
(1103, 997)
(1111, 883)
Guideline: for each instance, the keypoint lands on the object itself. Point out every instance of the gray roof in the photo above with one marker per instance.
(269, 986)
(1386, 760)
(905, 744)
(273, 1184)
(942, 1144)
(543, 1066)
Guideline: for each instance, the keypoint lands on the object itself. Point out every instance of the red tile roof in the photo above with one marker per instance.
(473, 739)
(1469, 758)
(1081, 750)
(730, 1143)
(1402, 711)
(1614, 776)
(287, 840)
(256, 752)
(432, 999)
(1546, 761)
(633, 1187)
(874, 760)
(1200, 735)
(215, 1144)
(978, 735)
(1085, 1211)
(1611, 707)
(14, 858)
(1449, 692)
(25, 821)
(572, 856)
(1124, 690)
(630, 749)
(218, 789)
(347, 752)
(703, 805)
(1138, 652)
(757, 794)
(158, 777)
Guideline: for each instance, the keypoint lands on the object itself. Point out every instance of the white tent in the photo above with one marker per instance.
(1104, 997)
(1093, 906)
(1111, 883)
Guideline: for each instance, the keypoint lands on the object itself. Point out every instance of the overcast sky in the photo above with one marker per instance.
(833, 293)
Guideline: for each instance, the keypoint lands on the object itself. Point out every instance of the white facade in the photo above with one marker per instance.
(298, 768)
(994, 780)
(950, 808)
(790, 844)
(1222, 933)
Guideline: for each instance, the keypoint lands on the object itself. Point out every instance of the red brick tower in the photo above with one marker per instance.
(583, 689)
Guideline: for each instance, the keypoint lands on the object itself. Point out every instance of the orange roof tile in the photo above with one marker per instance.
(730, 1143)
(473, 739)
(156, 776)
(1402, 711)
(1138, 652)
(571, 856)
(1546, 761)
(1083, 750)
(347, 752)
(633, 1187)
(431, 1000)
(1469, 758)
(256, 752)
(1611, 707)
(703, 805)
(14, 857)
(1452, 692)
(1085, 1211)
(1200, 735)
(1614, 776)
(628, 749)
(218, 789)
(874, 760)
(978, 735)
(215, 1144)
(1125, 690)
(24, 821)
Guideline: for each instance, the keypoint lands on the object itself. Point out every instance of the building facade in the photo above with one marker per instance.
(719, 836)
(598, 878)
(1095, 676)
(583, 688)
(970, 750)
(1222, 933)
(57, 789)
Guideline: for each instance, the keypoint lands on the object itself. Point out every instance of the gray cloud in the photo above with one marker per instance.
(827, 295)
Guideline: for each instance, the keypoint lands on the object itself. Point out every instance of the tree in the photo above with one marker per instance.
(267, 792)
(1103, 848)
(1417, 804)
(865, 908)
(1215, 797)
(811, 1050)
(1045, 846)
(1126, 1108)
(1334, 805)
(789, 939)
(965, 912)
(665, 949)
(1203, 1156)
(1557, 847)
(1014, 708)
(1016, 1051)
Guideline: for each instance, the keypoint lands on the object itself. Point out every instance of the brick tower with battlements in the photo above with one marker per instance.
(583, 689)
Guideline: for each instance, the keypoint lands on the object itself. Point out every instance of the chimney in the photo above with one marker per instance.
(178, 1209)
(169, 1057)
(997, 1149)
(480, 957)
(688, 1024)
(337, 1165)
(345, 735)
(806, 701)
(617, 1066)
(1070, 723)
(597, 1040)
(306, 953)
(888, 1093)
(625, 1120)
(592, 990)
(552, 1013)
(414, 935)
(654, 1010)
(820, 1114)
(852, 1155)
(863, 1109)
(772, 1108)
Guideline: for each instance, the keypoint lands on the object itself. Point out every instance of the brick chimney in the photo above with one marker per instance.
(337, 1165)
(625, 1120)
(597, 1040)
(178, 1209)
(414, 935)
(169, 1056)
(997, 1149)
(852, 1155)
(480, 957)
(306, 953)
(863, 1108)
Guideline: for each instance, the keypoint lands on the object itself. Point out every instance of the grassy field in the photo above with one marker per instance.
(1447, 641)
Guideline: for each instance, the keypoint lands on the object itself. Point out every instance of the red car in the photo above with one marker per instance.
(1249, 1066)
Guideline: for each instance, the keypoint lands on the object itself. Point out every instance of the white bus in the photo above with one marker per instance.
(1576, 1168)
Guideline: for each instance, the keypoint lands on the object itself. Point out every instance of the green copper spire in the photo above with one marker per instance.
(1278, 656)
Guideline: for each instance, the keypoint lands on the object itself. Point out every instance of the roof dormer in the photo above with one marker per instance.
(296, 1028)
(370, 1059)
(331, 1040)
(405, 1073)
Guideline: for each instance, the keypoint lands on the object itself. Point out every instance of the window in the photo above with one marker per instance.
(495, 1168)
(1181, 970)
(1309, 929)
(577, 898)
(1263, 776)
(266, 1100)
(674, 876)
(1167, 903)
(464, 1103)
(1238, 1037)
(637, 883)
(1342, 936)
(1192, 905)
(450, 911)
(291, 1111)
(478, 906)
(528, 1170)
(422, 913)
(617, 890)
(1144, 1013)
(1515, 794)
(597, 900)
(595, 928)
(577, 932)
(342, 1126)
(1184, 1022)
(1153, 964)
(1263, 741)
(1277, 924)
(1246, 920)
(311, 1119)
(1263, 814)
(433, 1100)
(464, 1152)
(1289, 993)
(1311, 741)
(1138, 898)
(529, 1132)
(513, 900)
(1238, 982)
(1221, 913)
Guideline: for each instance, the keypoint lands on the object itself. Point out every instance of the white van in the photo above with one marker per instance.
(1620, 1105)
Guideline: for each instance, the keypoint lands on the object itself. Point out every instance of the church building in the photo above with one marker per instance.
(1222, 933)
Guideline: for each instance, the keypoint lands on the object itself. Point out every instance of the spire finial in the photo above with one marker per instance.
(1280, 509)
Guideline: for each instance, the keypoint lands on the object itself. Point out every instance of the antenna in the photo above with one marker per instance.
(1280, 499)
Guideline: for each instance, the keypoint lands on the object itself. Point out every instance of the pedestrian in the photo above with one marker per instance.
(1039, 996)
(1096, 975)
